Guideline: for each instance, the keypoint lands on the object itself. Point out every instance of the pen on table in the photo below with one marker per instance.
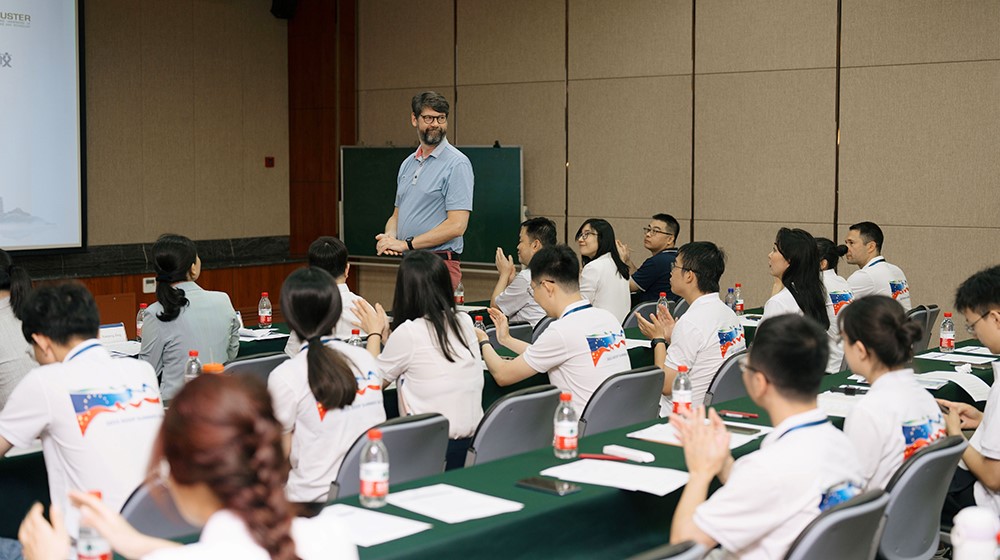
(735, 414)
(601, 457)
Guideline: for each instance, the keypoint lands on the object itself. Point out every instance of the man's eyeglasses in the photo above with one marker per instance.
(648, 230)
(971, 327)
(683, 268)
(534, 285)
(430, 119)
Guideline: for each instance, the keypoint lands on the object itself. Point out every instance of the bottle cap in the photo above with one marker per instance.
(565, 396)
(355, 331)
(479, 318)
(263, 294)
(213, 367)
(738, 285)
(731, 289)
(193, 353)
(947, 313)
(663, 294)
(682, 368)
(143, 305)
(374, 434)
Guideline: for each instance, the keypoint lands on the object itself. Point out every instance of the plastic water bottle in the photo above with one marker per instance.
(460, 294)
(566, 427)
(90, 545)
(662, 302)
(478, 323)
(681, 393)
(192, 368)
(374, 471)
(355, 339)
(738, 299)
(947, 334)
(974, 535)
(264, 311)
(139, 318)
(731, 299)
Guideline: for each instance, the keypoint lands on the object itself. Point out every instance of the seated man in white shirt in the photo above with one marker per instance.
(330, 254)
(707, 333)
(97, 416)
(803, 467)
(977, 480)
(580, 349)
(513, 294)
(874, 275)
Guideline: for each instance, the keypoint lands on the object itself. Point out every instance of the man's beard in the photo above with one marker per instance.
(433, 137)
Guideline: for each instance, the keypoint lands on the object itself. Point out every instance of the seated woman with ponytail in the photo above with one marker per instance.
(184, 317)
(220, 453)
(897, 416)
(15, 357)
(328, 394)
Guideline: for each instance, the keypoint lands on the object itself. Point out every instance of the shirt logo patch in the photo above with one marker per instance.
(838, 494)
(918, 434)
(366, 382)
(89, 403)
(840, 300)
(601, 344)
(729, 338)
(898, 288)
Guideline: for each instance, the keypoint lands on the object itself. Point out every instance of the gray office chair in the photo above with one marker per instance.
(259, 366)
(417, 446)
(847, 530)
(932, 322)
(687, 550)
(516, 423)
(916, 495)
(921, 315)
(728, 381)
(680, 308)
(156, 516)
(623, 399)
(644, 309)
(540, 328)
(519, 330)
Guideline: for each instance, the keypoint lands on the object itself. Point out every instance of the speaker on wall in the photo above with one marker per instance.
(283, 9)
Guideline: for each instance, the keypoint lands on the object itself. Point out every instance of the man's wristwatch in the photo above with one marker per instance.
(409, 242)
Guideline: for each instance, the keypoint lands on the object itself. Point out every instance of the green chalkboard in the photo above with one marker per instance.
(368, 195)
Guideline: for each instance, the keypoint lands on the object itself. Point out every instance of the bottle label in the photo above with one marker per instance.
(566, 435)
(459, 299)
(264, 317)
(682, 401)
(739, 306)
(92, 546)
(947, 340)
(375, 480)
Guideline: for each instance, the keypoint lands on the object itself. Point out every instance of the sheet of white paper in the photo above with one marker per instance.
(658, 481)
(369, 528)
(837, 404)
(746, 321)
(958, 358)
(631, 343)
(975, 387)
(857, 379)
(113, 333)
(471, 308)
(255, 333)
(980, 350)
(665, 433)
(451, 504)
(931, 384)
(125, 348)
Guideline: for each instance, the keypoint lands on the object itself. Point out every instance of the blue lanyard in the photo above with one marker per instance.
(94, 345)
(800, 426)
(572, 311)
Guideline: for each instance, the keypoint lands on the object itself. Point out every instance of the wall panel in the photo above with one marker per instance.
(510, 41)
(405, 44)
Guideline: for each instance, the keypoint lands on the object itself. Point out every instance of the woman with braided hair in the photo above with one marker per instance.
(220, 452)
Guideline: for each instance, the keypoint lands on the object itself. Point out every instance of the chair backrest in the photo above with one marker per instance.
(156, 516)
(643, 309)
(519, 330)
(916, 495)
(417, 446)
(517, 423)
(623, 399)
(680, 308)
(540, 327)
(687, 550)
(921, 315)
(257, 366)
(932, 325)
(728, 381)
(847, 530)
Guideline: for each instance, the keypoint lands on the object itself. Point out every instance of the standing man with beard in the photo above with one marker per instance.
(433, 191)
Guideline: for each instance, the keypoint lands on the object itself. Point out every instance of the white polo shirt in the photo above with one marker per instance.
(321, 438)
(601, 284)
(781, 303)
(881, 278)
(705, 335)
(838, 295)
(97, 418)
(986, 440)
(428, 382)
(579, 350)
(890, 423)
(518, 303)
(225, 535)
(773, 493)
(341, 330)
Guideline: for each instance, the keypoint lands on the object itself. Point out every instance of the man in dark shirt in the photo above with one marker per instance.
(653, 276)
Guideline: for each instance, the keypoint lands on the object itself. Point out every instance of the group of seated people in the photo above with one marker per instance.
(225, 446)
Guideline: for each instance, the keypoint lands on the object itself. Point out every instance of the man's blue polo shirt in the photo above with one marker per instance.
(653, 276)
(428, 187)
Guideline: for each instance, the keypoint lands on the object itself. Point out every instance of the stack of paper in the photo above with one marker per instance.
(451, 504)
(956, 358)
(665, 433)
(974, 386)
(369, 528)
(980, 350)
(837, 404)
(248, 335)
(658, 481)
(114, 340)
(749, 321)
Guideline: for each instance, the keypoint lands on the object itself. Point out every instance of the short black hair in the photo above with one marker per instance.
(557, 263)
(792, 352)
(980, 292)
(673, 226)
(431, 99)
(541, 229)
(881, 324)
(707, 261)
(869, 232)
(60, 312)
(330, 254)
